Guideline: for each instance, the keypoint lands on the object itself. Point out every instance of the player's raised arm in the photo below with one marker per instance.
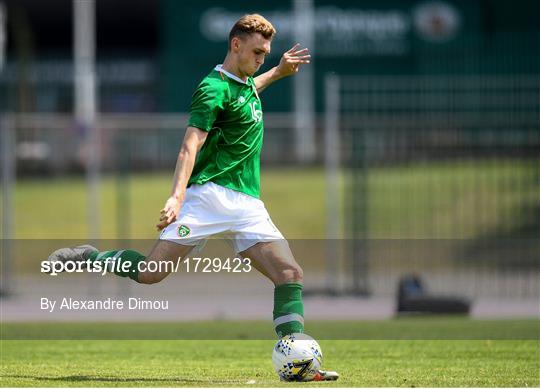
(288, 65)
(193, 141)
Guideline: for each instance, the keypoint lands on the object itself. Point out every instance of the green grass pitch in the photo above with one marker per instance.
(412, 356)
(244, 362)
(431, 201)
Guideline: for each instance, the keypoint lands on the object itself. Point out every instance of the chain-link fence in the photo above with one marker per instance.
(442, 178)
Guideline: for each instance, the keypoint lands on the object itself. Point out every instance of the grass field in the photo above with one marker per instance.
(431, 201)
(406, 363)
(436, 200)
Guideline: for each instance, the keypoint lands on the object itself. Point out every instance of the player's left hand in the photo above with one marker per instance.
(291, 60)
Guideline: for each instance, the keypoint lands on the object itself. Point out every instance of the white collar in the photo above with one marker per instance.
(219, 68)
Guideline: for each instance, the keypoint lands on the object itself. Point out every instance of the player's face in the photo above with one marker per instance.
(252, 51)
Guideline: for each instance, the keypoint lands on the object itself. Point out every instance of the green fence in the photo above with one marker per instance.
(443, 168)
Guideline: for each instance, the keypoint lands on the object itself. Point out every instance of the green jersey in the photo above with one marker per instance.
(229, 109)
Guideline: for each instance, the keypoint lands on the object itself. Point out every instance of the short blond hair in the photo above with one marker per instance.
(252, 24)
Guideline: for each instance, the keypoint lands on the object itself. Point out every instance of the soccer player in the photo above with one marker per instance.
(216, 180)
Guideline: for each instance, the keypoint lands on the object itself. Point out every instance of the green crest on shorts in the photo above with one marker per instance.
(183, 231)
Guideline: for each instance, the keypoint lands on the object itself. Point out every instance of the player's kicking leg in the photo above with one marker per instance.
(276, 261)
(127, 262)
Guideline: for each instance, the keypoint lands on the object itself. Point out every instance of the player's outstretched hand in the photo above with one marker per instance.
(291, 60)
(169, 213)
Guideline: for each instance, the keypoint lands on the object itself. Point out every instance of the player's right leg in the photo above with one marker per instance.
(129, 263)
(195, 223)
(163, 254)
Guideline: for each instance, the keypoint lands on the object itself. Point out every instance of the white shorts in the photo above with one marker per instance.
(211, 209)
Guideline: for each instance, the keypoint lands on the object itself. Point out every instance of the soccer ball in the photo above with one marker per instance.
(297, 357)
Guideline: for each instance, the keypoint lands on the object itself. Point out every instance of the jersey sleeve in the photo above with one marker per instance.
(207, 102)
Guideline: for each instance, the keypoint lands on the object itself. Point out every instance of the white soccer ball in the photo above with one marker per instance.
(297, 357)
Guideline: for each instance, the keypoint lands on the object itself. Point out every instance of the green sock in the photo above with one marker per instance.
(288, 309)
(125, 262)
